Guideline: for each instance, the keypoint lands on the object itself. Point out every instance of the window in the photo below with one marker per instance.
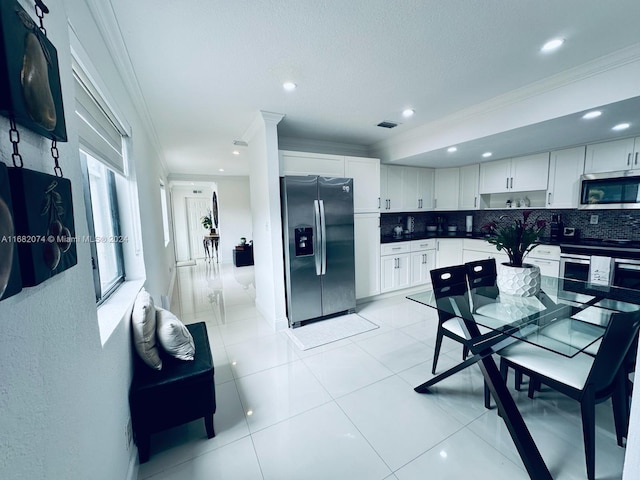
(165, 213)
(104, 226)
(101, 153)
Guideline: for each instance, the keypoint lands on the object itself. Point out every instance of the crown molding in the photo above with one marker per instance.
(109, 29)
(320, 146)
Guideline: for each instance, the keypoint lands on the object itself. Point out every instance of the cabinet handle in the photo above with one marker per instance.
(435, 203)
(507, 182)
(475, 202)
(628, 159)
(389, 201)
(549, 199)
(396, 248)
(635, 162)
(378, 203)
(424, 258)
(511, 182)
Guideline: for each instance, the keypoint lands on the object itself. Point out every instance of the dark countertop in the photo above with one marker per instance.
(427, 235)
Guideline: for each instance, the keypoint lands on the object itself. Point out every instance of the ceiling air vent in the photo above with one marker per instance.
(387, 124)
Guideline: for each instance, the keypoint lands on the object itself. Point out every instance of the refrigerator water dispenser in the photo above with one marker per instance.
(304, 241)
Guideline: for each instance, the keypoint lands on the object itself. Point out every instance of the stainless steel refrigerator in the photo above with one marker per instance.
(318, 243)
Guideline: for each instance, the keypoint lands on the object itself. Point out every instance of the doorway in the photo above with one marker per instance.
(197, 207)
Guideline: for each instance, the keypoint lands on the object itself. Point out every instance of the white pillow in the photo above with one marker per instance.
(173, 336)
(143, 326)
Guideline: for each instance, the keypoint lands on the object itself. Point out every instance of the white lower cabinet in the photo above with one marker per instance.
(367, 254)
(421, 265)
(394, 272)
(448, 252)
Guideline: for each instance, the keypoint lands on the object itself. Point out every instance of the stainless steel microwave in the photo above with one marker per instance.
(610, 190)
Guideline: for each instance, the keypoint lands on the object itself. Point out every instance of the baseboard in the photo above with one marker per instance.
(134, 466)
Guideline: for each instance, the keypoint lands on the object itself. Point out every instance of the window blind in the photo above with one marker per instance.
(97, 126)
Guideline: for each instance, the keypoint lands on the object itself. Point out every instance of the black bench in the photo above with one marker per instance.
(181, 392)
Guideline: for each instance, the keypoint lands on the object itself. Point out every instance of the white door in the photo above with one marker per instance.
(447, 185)
(469, 176)
(494, 176)
(196, 209)
(565, 168)
(610, 156)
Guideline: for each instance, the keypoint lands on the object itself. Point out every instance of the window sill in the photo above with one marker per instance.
(117, 307)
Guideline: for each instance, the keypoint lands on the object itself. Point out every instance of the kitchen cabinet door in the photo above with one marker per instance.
(612, 156)
(391, 184)
(469, 179)
(425, 188)
(421, 265)
(495, 176)
(448, 252)
(529, 173)
(366, 183)
(303, 163)
(410, 201)
(367, 254)
(394, 272)
(565, 168)
(446, 187)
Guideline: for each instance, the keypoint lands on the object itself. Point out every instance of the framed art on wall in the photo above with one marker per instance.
(10, 279)
(30, 90)
(44, 224)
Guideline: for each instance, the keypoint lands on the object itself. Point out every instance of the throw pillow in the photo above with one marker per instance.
(143, 325)
(173, 336)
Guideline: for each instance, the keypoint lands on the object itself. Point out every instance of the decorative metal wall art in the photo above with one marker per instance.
(30, 90)
(10, 279)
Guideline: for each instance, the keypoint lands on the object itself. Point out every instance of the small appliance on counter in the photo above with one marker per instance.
(397, 231)
(411, 225)
(469, 223)
(570, 233)
(555, 228)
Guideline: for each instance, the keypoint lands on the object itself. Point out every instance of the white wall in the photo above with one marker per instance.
(63, 395)
(235, 214)
(262, 137)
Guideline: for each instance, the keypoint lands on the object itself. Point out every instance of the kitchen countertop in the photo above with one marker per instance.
(427, 235)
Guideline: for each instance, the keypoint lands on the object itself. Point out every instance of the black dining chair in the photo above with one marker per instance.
(449, 282)
(589, 380)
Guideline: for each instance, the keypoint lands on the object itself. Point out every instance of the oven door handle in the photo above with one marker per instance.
(581, 261)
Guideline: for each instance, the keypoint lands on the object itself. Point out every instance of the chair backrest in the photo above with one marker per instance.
(482, 273)
(449, 283)
(619, 336)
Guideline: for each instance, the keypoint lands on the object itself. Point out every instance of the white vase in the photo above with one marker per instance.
(519, 281)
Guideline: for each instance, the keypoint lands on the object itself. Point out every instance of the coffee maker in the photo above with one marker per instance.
(556, 228)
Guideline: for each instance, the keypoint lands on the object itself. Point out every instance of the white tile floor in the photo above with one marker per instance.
(348, 410)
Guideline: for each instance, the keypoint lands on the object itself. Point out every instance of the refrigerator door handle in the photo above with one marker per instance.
(317, 239)
(323, 239)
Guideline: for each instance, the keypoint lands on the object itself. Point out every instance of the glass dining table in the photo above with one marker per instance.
(566, 317)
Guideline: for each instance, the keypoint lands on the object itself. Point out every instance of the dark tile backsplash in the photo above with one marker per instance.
(623, 224)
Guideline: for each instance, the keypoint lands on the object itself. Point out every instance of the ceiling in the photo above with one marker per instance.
(207, 67)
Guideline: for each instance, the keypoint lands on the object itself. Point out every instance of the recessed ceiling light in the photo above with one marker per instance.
(236, 152)
(487, 154)
(408, 112)
(552, 45)
(621, 126)
(592, 114)
(289, 86)
(452, 149)
(221, 169)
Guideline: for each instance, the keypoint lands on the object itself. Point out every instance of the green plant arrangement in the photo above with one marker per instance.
(516, 237)
(207, 222)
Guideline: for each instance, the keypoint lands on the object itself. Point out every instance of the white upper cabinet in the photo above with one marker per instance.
(425, 188)
(303, 163)
(366, 183)
(469, 178)
(405, 189)
(565, 168)
(521, 174)
(612, 156)
(530, 172)
(495, 176)
(446, 188)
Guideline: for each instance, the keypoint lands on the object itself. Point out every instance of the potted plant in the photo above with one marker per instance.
(517, 238)
(207, 223)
